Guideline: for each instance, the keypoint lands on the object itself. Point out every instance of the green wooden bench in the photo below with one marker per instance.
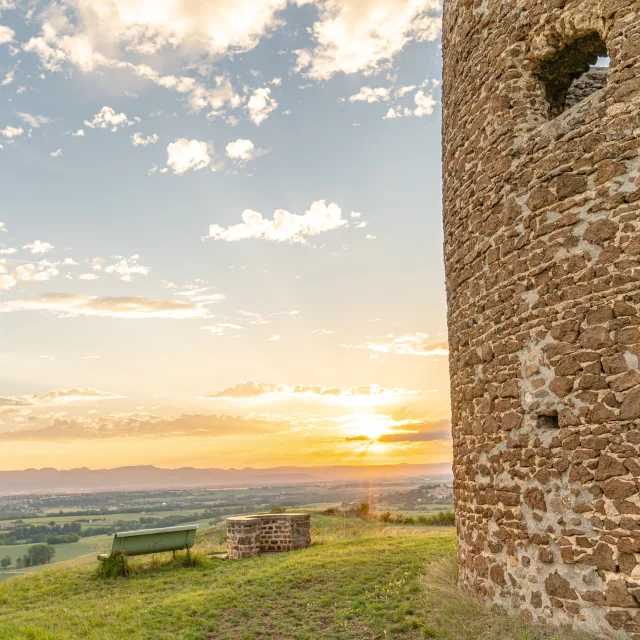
(145, 541)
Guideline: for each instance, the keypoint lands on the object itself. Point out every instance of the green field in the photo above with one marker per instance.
(359, 581)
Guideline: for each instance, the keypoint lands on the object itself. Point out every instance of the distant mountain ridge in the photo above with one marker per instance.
(150, 477)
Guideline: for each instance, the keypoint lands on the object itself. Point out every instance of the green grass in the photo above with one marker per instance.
(359, 581)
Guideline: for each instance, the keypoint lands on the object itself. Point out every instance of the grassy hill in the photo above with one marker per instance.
(359, 581)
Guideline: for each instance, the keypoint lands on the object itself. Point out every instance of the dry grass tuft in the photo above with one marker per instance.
(456, 614)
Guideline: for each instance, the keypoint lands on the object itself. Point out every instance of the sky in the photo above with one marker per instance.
(220, 234)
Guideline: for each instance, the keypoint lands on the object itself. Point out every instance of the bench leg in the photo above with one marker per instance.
(189, 556)
(124, 567)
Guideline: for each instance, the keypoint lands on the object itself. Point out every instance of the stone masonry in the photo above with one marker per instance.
(249, 536)
(542, 247)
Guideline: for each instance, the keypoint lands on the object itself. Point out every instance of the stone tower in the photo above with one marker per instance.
(542, 244)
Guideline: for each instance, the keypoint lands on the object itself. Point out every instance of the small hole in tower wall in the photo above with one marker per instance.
(547, 422)
(574, 72)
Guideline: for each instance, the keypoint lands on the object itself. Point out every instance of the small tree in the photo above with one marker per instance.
(5, 562)
(363, 510)
(40, 554)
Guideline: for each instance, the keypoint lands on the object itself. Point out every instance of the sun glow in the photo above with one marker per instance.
(372, 426)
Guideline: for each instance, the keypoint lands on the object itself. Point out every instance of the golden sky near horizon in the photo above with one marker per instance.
(220, 234)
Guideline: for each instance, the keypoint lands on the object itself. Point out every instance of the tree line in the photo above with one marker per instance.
(35, 556)
(53, 533)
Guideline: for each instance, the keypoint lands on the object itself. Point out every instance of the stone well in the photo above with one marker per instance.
(542, 248)
(249, 536)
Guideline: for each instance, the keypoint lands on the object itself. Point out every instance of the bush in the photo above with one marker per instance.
(276, 508)
(112, 565)
(63, 539)
(440, 519)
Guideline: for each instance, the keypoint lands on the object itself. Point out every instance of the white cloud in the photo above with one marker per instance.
(370, 95)
(285, 313)
(83, 32)
(12, 132)
(26, 273)
(147, 425)
(8, 79)
(222, 329)
(412, 344)
(362, 35)
(6, 34)
(260, 105)
(62, 397)
(285, 226)
(181, 27)
(33, 121)
(97, 264)
(252, 389)
(126, 268)
(56, 154)
(242, 150)
(137, 139)
(2, 227)
(78, 134)
(51, 58)
(401, 91)
(274, 338)
(107, 118)
(202, 295)
(66, 305)
(425, 104)
(38, 248)
(185, 155)
(88, 277)
(252, 317)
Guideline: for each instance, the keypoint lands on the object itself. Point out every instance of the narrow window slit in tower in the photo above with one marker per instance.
(549, 421)
(574, 72)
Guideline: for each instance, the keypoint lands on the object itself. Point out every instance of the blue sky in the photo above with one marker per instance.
(132, 291)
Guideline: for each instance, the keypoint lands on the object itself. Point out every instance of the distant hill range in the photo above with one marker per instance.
(149, 477)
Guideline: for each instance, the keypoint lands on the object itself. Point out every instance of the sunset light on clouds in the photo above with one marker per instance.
(217, 246)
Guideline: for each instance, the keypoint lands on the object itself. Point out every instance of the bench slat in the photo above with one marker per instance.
(134, 543)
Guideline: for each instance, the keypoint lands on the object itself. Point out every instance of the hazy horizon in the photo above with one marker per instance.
(220, 234)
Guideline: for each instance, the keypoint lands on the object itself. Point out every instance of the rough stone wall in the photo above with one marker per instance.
(249, 536)
(300, 532)
(276, 533)
(243, 537)
(542, 247)
(583, 87)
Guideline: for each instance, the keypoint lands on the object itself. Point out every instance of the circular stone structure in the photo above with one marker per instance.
(542, 247)
(249, 536)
